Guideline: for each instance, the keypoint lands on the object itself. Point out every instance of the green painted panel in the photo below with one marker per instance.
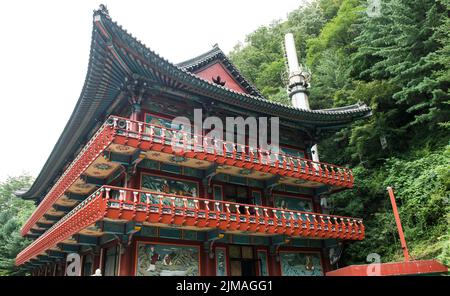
(190, 235)
(255, 183)
(260, 240)
(170, 168)
(309, 243)
(241, 239)
(149, 231)
(257, 197)
(217, 192)
(192, 172)
(237, 180)
(170, 233)
(221, 177)
(149, 164)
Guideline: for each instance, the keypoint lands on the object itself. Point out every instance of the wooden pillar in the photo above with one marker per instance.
(207, 263)
(126, 259)
(135, 113)
(326, 264)
(274, 265)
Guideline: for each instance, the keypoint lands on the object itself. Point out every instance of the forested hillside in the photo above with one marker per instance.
(394, 57)
(13, 213)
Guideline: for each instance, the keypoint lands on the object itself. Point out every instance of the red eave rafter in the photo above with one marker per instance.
(152, 208)
(90, 152)
(86, 213)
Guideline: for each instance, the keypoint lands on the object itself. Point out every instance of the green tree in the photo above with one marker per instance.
(405, 46)
(13, 213)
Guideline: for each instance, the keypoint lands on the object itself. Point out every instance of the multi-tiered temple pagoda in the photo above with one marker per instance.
(116, 193)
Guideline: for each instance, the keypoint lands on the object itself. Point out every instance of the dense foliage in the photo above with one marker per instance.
(394, 56)
(13, 213)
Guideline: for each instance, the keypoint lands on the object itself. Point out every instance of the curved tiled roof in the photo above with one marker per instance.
(116, 54)
(216, 54)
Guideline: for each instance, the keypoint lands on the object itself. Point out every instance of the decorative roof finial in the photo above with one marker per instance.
(102, 9)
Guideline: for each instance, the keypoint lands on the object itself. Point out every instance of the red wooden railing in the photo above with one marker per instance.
(155, 208)
(154, 137)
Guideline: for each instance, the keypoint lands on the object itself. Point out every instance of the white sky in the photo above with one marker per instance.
(44, 55)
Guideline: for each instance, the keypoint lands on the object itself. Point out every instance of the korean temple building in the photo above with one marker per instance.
(115, 192)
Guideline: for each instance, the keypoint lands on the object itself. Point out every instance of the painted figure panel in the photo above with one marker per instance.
(168, 186)
(167, 260)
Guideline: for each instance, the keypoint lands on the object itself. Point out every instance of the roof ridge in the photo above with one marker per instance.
(210, 53)
(204, 58)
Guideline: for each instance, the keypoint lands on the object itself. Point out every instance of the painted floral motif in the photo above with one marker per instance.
(122, 148)
(103, 166)
(300, 264)
(245, 172)
(178, 159)
(221, 264)
(167, 260)
(83, 186)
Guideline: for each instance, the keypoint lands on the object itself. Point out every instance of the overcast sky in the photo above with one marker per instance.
(45, 49)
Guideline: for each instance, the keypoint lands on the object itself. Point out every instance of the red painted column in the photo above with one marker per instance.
(125, 262)
(135, 114)
(207, 267)
(98, 261)
(274, 265)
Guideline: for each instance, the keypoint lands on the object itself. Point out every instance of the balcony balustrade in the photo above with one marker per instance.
(146, 136)
(169, 210)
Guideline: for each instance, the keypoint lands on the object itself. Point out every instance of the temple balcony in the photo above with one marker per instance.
(159, 142)
(147, 208)
(121, 141)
